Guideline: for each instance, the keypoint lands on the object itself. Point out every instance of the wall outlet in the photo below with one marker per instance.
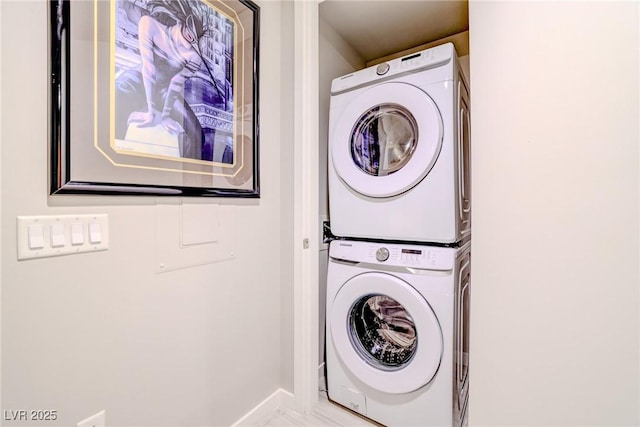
(97, 420)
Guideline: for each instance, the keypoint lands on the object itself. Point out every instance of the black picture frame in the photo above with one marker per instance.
(197, 135)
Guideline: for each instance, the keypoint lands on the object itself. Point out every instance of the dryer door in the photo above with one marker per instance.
(387, 139)
(386, 333)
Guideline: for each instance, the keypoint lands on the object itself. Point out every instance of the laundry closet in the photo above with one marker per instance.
(384, 31)
(541, 172)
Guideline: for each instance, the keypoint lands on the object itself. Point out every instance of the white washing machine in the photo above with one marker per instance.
(397, 336)
(399, 146)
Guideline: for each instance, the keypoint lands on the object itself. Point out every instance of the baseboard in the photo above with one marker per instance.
(280, 399)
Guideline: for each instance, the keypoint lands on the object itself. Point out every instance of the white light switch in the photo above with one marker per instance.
(95, 232)
(36, 236)
(53, 235)
(57, 235)
(77, 234)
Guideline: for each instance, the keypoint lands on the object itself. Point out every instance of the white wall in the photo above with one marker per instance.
(1, 211)
(555, 213)
(81, 333)
(287, 148)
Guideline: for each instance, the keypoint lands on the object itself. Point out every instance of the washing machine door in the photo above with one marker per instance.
(386, 333)
(387, 139)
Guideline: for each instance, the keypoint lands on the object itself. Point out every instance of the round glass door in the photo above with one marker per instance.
(386, 140)
(385, 332)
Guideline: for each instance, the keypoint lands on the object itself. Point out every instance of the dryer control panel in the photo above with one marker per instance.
(428, 58)
(394, 254)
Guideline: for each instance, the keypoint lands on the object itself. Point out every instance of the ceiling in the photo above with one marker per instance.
(377, 28)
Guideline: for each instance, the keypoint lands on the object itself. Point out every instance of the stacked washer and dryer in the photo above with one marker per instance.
(398, 282)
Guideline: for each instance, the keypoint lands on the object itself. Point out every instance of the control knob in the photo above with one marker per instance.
(382, 254)
(382, 69)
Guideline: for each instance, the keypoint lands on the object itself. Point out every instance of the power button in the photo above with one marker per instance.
(382, 254)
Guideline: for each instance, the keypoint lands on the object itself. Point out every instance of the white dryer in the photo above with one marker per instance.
(397, 335)
(399, 141)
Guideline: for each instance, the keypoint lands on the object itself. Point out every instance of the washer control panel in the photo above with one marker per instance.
(394, 254)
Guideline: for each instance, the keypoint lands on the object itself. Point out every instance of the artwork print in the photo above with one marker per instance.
(154, 97)
(174, 80)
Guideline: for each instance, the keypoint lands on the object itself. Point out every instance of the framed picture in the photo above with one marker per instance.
(154, 97)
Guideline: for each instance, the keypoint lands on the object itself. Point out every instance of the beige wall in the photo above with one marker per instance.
(555, 213)
(82, 333)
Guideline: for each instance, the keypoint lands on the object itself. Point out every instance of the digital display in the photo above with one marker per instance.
(410, 57)
(412, 251)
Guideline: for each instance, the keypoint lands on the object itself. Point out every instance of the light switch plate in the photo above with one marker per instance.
(61, 235)
(97, 420)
